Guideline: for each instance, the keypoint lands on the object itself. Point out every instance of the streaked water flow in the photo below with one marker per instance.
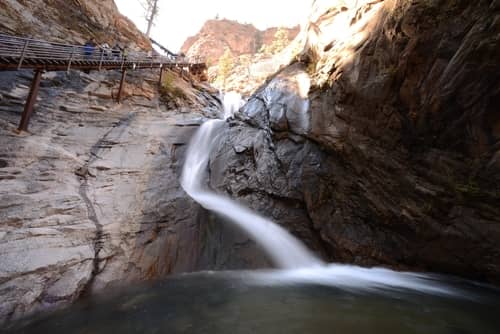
(285, 250)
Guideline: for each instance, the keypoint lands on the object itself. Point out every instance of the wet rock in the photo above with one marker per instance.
(395, 161)
(282, 104)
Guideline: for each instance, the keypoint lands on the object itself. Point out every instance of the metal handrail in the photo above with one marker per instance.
(19, 52)
(25, 50)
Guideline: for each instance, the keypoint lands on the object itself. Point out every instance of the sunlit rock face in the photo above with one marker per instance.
(70, 22)
(250, 66)
(217, 35)
(285, 101)
(396, 160)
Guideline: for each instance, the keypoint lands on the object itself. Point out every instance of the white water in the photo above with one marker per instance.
(356, 278)
(232, 102)
(286, 251)
(282, 247)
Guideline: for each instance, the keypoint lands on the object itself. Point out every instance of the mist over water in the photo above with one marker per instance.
(240, 303)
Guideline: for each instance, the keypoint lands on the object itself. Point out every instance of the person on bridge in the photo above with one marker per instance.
(89, 48)
(106, 51)
(116, 52)
(125, 53)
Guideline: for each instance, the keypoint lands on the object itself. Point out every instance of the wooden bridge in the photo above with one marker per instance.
(18, 53)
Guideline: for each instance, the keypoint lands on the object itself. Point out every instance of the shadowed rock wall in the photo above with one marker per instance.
(391, 157)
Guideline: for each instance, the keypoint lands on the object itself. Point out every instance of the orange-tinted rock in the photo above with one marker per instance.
(217, 35)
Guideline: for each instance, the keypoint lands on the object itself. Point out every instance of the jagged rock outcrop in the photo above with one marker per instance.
(73, 21)
(381, 144)
(217, 35)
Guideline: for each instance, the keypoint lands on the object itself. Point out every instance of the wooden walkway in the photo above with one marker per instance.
(17, 53)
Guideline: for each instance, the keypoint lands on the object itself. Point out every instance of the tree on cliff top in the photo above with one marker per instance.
(279, 43)
(225, 66)
(151, 13)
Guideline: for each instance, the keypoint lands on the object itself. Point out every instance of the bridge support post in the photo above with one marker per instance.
(30, 102)
(120, 90)
(161, 77)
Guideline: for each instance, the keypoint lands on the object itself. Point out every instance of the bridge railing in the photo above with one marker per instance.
(26, 49)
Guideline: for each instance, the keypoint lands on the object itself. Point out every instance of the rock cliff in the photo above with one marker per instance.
(217, 35)
(90, 198)
(249, 66)
(380, 145)
(73, 21)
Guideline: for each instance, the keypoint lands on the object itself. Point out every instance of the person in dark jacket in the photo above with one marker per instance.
(116, 52)
(89, 48)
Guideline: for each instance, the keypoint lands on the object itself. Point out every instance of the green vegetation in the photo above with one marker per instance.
(470, 188)
(297, 50)
(225, 66)
(246, 62)
(279, 43)
(311, 69)
(209, 62)
(168, 87)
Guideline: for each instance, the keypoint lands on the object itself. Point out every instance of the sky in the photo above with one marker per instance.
(179, 19)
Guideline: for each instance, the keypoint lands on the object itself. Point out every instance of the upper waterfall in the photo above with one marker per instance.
(232, 102)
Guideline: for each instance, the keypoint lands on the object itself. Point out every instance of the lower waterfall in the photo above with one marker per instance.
(284, 249)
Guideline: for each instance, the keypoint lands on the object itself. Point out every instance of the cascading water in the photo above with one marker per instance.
(286, 251)
(283, 248)
(232, 102)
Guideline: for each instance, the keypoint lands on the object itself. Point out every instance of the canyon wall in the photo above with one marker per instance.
(380, 143)
(70, 22)
(90, 198)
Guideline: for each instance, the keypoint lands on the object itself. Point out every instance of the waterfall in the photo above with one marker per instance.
(283, 249)
(232, 102)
